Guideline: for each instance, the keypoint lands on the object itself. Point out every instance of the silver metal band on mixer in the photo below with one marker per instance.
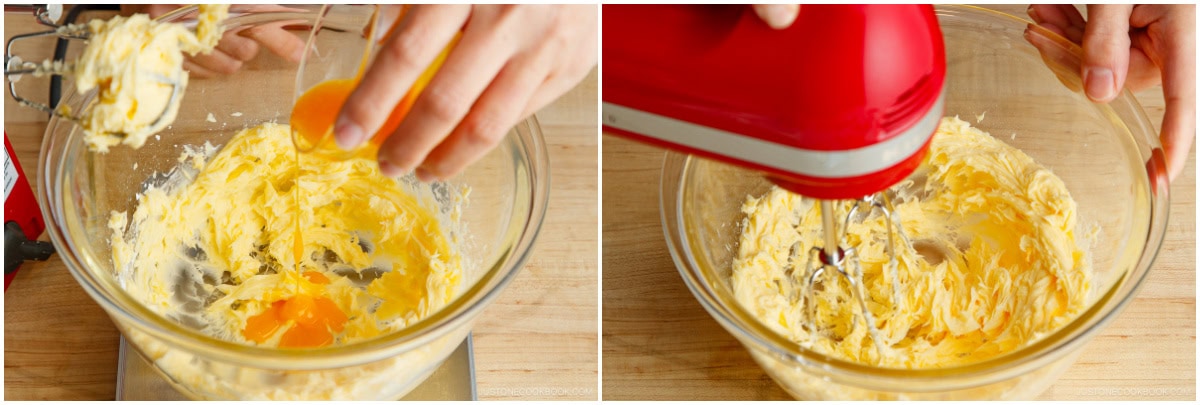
(808, 162)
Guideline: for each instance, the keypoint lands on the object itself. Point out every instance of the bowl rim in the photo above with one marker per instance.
(747, 329)
(128, 312)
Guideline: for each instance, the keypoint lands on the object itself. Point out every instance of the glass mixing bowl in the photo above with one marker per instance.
(79, 189)
(1108, 155)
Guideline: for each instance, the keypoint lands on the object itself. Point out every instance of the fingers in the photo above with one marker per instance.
(477, 135)
(1143, 73)
(1064, 17)
(468, 70)
(1073, 17)
(197, 71)
(1053, 55)
(559, 58)
(389, 15)
(1065, 20)
(264, 8)
(778, 16)
(1178, 134)
(418, 40)
(277, 39)
(1106, 51)
(550, 90)
(498, 109)
(238, 47)
(509, 61)
(1145, 55)
(217, 61)
(1055, 29)
(243, 45)
(1179, 90)
(154, 10)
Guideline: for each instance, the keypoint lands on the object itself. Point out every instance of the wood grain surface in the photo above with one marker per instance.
(538, 340)
(659, 343)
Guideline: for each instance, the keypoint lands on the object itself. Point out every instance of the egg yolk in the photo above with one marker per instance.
(316, 278)
(316, 109)
(312, 320)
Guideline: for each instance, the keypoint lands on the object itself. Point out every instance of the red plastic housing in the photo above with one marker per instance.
(19, 203)
(841, 78)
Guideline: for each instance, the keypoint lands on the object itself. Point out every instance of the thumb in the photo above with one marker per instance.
(778, 16)
(1106, 50)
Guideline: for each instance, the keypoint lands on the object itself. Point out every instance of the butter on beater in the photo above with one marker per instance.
(137, 66)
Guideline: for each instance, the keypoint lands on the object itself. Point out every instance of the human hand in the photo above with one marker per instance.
(510, 61)
(236, 46)
(778, 16)
(1137, 47)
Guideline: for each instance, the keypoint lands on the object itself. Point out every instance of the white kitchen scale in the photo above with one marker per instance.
(454, 380)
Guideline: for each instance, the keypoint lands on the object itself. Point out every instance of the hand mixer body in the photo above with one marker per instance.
(840, 105)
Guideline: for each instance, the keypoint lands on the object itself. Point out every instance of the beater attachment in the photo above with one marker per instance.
(15, 67)
(831, 267)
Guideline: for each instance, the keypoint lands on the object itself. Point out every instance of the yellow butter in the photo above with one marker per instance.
(999, 263)
(214, 246)
(132, 62)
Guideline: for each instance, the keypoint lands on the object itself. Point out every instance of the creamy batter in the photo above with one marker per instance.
(995, 261)
(214, 247)
(135, 63)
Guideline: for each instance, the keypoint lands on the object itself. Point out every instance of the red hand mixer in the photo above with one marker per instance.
(840, 105)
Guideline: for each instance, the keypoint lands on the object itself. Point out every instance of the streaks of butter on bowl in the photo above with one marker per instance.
(1008, 269)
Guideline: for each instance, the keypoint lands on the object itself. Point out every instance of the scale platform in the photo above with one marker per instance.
(453, 381)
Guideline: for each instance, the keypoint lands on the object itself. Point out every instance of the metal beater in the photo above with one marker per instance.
(833, 259)
(15, 67)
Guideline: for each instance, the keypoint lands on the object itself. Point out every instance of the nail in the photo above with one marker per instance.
(347, 134)
(1099, 83)
(779, 16)
(390, 170)
(1033, 14)
(424, 175)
